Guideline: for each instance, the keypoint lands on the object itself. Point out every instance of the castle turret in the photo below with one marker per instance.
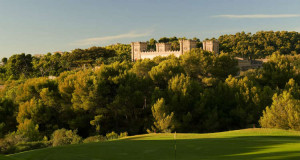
(163, 47)
(187, 45)
(211, 45)
(136, 49)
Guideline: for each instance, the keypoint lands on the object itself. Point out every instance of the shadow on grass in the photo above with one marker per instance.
(237, 148)
(3, 157)
(135, 138)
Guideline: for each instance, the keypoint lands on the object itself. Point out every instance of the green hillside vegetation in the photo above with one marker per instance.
(99, 91)
(245, 144)
(260, 44)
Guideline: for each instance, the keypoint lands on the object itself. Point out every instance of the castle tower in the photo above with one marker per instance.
(211, 45)
(136, 49)
(187, 45)
(163, 47)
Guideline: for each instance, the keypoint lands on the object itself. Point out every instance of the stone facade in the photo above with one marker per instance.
(246, 64)
(139, 49)
(163, 47)
(211, 45)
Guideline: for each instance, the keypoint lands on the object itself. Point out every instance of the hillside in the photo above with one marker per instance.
(239, 144)
(8, 158)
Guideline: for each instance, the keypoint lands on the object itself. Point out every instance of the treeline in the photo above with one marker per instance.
(114, 97)
(193, 93)
(247, 45)
(24, 66)
(99, 90)
(260, 44)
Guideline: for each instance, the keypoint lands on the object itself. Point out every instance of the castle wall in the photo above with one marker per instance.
(246, 64)
(151, 55)
(138, 49)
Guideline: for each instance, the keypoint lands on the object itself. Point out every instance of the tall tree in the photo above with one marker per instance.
(284, 113)
(163, 120)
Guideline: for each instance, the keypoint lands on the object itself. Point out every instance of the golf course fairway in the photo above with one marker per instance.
(246, 144)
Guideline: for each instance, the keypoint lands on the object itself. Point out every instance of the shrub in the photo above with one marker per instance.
(6, 147)
(8, 144)
(16, 142)
(123, 134)
(63, 137)
(97, 138)
(112, 135)
(29, 129)
(26, 146)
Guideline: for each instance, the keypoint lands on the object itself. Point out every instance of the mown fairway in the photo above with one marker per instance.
(242, 144)
(7, 158)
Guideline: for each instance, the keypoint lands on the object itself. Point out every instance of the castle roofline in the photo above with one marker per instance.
(212, 40)
(190, 40)
(137, 42)
(163, 44)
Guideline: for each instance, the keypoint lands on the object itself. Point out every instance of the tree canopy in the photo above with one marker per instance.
(99, 90)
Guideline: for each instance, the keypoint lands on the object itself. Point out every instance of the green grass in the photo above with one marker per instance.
(8, 158)
(248, 144)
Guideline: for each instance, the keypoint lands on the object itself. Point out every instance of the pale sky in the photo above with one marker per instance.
(41, 26)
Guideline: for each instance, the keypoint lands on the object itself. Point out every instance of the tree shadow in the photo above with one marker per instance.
(240, 148)
(235, 148)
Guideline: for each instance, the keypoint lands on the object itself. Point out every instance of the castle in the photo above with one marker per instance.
(139, 49)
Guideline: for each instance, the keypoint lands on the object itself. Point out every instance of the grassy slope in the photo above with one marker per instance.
(240, 144)
(8, 158)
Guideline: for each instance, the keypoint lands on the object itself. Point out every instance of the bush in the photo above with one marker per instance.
(63, 137)
(123, 134)
(8, 144)
(112, 135)
(30, 130)
(16, 142)
(26, 146)
(97, 138)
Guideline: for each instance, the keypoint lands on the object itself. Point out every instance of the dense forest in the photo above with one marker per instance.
(95, 91)
(260, 44)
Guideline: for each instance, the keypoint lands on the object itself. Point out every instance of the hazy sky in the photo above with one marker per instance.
(41, 26)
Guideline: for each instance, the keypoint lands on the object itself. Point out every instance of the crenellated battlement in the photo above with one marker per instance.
(152, 54)
(139, 49)
(155, 52)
